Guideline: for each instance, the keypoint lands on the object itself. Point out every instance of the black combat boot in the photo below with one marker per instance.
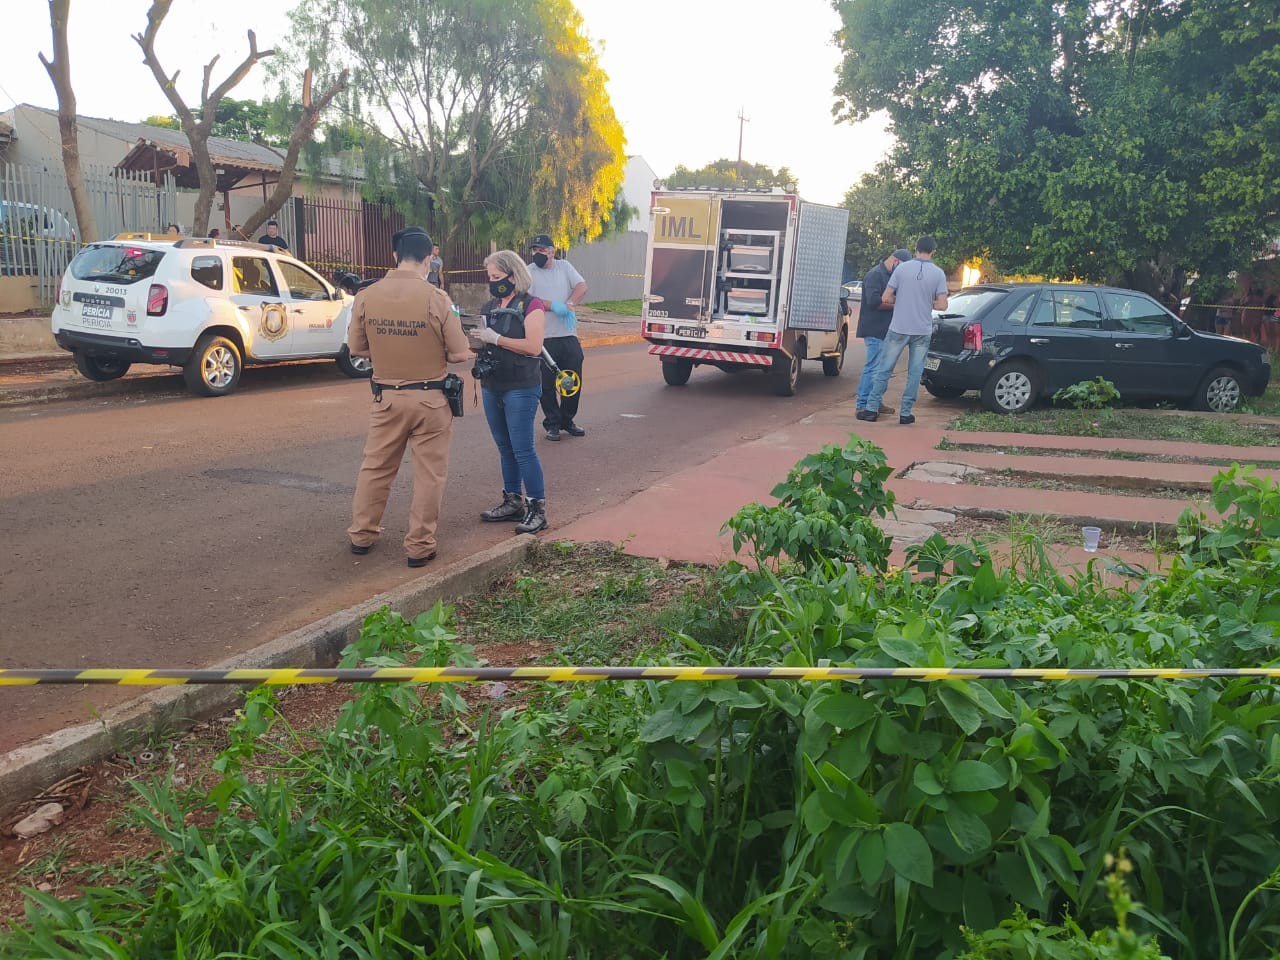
(535, 519)
(511, 508)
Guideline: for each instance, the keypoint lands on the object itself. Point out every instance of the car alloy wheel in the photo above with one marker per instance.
(219, 367)
(362, 364)
(1012, 388)
(1222, 393)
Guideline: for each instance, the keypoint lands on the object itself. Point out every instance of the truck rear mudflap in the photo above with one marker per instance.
(711, 355)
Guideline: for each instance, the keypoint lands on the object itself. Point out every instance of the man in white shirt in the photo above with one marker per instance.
(916, 289)
(561, 288)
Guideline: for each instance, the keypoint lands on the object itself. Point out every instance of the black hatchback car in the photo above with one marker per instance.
(1017, 343)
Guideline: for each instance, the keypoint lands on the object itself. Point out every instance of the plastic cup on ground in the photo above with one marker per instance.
(1091, 536)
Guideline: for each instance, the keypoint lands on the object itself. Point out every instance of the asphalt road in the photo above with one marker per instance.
(171, 531)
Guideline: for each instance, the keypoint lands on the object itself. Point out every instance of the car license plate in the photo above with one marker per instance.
(696, 333)
(932, 363)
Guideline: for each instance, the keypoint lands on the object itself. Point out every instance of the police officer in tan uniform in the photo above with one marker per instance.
(409, 329)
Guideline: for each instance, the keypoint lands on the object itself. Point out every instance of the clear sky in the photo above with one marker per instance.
(679, 72)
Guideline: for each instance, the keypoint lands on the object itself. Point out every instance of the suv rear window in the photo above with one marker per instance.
(116, 263)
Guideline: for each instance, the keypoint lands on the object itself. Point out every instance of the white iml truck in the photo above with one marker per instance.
(744, 280)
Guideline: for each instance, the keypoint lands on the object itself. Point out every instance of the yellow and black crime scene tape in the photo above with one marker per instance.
(419, 675)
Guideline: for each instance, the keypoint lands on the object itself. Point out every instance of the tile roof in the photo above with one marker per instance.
(221, 150)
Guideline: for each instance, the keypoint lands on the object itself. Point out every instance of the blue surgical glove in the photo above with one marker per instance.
(560, 309)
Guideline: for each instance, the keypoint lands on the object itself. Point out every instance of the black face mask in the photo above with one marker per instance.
(540, 259)
(502, 288)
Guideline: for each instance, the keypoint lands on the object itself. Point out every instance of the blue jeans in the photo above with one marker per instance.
(918, 351)
(510, 417)
(874, 348)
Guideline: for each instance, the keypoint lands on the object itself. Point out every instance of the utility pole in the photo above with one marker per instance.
(742, 119)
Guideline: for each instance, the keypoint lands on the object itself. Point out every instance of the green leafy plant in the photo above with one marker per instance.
(1092, 398)
(824, 512)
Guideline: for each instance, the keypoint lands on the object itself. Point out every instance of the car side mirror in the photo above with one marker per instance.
(1181, 331)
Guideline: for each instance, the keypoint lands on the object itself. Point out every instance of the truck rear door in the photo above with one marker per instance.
(683, 242)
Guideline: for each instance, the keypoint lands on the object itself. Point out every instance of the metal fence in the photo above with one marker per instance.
(38, 230)
(613, 267)
(355, 236)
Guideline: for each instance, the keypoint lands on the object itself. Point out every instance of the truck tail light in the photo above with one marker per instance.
(760, 336)
(660, 328)
(157, 300)
(973, 337)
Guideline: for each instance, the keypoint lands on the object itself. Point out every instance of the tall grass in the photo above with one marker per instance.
(886, 819)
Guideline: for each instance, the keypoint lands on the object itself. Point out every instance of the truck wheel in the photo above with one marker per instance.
(360, 368)
(784, 374)
(831, 366)
(100, 369)
(676, 372)
(214, 367)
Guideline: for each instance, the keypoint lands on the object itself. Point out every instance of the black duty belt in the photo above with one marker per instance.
(451, 386)
(419, 385)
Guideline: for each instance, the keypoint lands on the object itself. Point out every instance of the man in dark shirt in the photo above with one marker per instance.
(873, 322)
(272, 237)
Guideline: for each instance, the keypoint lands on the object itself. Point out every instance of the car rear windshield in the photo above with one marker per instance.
(968, 303)
(116, 263)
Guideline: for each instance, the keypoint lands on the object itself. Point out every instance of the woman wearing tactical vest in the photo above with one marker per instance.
(509, 371)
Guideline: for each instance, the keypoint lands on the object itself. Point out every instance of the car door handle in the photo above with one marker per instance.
(296, 310)
(1124, 346)
(245, 308)
(1039, 339)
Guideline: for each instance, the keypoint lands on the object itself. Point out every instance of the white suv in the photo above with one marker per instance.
(208, 306)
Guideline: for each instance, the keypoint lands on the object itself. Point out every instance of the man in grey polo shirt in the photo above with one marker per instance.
(916, 289)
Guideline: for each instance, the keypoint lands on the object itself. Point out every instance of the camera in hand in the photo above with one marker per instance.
(507, 321)
(485, 365)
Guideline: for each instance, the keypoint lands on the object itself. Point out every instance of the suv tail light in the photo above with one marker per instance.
(973, 337)
(157, 300)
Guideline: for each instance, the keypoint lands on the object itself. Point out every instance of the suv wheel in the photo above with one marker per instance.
(214, 367)
(359, 367)
(1011, 388)
(1220, 391)
(101, 369)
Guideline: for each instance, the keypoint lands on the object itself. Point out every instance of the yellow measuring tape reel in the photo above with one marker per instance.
(568, 383)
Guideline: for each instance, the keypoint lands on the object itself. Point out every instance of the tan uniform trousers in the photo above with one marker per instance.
(421, 420)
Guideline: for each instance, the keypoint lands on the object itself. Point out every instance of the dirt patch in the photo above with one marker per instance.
(1016, 451)
(988, 530)
(1120, 486)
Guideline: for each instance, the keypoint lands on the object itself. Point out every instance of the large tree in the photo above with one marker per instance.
(198, 124)
(59, 69)
(492, 111)
(729, 174)
(1122, 140)
(880, 220)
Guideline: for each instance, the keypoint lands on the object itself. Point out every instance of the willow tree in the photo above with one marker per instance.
(1122, 140)
(496, 109)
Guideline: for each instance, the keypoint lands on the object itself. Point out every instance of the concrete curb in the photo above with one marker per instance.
(24, 772)
(163, 379)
